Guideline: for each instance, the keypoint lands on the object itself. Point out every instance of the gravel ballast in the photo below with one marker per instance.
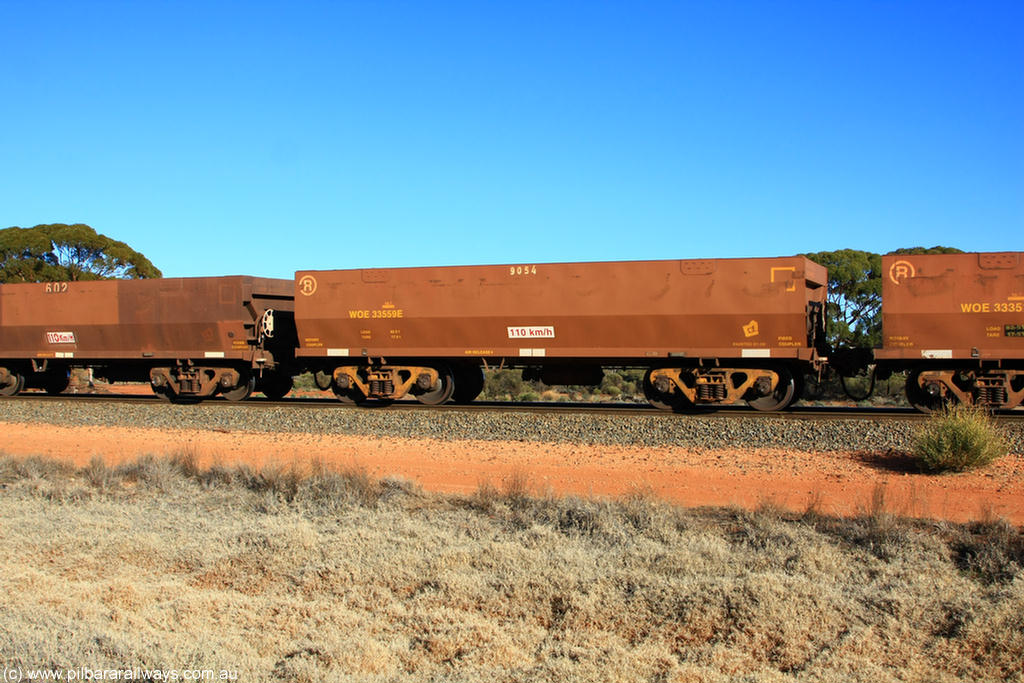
(714, 431)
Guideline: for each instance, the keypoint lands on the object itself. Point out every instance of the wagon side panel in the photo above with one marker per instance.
(953, 306)
(137, 319)
(624, 310)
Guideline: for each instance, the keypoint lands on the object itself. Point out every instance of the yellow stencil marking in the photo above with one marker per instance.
(307, 285)
(900, 271)
(791, 287)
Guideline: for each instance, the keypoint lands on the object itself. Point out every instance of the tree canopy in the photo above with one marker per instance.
(58, 252)
(855, 293)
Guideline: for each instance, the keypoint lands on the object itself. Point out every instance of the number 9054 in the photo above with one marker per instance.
(522, 270)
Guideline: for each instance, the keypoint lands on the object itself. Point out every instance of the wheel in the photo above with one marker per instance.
(799, 388)
(659, 400)
(56, 381)
(469, 383)
(274, 385)
(348, 396)
(784, 394)
(675, 401)
(241, 392)
(921, 399)
(15, 383)
(163, 393)
(441, 391)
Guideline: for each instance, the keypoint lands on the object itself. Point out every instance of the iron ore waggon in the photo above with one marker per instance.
(189, 337)
(715, 331)
(955, 324)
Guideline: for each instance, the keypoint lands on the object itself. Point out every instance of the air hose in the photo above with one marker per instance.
(867, 394)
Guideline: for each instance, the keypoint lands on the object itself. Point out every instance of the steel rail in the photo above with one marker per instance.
(799, 412)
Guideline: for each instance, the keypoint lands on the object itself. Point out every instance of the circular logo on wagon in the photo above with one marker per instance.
(307, 285)
(900, 271)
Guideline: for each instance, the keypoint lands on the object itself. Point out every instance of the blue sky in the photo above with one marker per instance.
(267, 137)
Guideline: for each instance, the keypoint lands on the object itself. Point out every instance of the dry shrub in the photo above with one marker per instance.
(330, 488)
(186, 461)
(279, 480)
(879, 529)
(217, 475)
(485, 497)
(97, 474)
(579, 516)
(814, 509)
(395, 486)
(992, 550)
(761, 530)
(158, 473)
(878, 511)
(33, 467)
(646, 513)
(516, 487)
(958, 438)
(360, 485)
(46, 478)
(771, 507)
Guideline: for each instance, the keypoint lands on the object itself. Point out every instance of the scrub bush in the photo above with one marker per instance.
(958, 438)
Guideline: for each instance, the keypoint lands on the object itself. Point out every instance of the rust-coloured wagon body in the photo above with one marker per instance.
(955, 322)
(188, 336)
(709, 330)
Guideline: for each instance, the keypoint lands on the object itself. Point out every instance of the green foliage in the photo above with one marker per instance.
(958, 438)
(911, 251)
(855, 293)
(854, 297)
(503, 385)
(829, 388)
(58, 252)
(621, 383)
(305, 382)
(509, 385)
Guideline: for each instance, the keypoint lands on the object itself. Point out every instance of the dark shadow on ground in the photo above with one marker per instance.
(889, 461)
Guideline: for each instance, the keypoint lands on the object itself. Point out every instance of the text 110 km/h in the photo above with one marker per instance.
(534, 332)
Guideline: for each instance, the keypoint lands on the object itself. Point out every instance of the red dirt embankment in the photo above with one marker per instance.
(834, 483)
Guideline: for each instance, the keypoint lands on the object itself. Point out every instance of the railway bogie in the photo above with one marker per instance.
(762, 388)
(931, 387)
(431, 385)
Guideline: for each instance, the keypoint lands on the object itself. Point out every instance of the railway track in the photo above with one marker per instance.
(805, 429)
(800, 412)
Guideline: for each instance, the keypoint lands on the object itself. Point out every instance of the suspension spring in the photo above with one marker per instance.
(711, 392)
(381, 387)
(992, 395)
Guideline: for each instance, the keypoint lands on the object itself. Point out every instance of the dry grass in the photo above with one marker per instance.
(309, 574)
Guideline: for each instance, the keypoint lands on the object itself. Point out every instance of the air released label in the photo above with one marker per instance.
(60, 337)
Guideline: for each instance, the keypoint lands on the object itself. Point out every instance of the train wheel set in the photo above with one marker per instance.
(705, 332)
